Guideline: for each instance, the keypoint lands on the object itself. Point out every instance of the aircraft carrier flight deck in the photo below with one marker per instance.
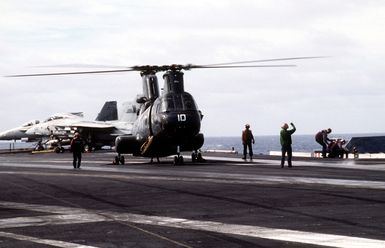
(222, 202)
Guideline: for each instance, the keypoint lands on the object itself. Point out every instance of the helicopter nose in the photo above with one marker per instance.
(182, 125)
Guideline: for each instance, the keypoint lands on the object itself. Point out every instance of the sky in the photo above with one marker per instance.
(345, 90)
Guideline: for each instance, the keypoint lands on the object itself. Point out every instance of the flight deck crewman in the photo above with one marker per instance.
(285, 139)
(322, 138)
(77, 147)
(247, 139)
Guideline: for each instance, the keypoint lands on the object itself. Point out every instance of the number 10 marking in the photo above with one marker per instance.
(182, 117)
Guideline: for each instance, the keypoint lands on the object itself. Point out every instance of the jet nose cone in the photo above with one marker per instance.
(2, 135)
(10, 135)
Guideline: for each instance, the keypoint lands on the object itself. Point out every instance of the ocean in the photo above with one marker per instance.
(263, 144)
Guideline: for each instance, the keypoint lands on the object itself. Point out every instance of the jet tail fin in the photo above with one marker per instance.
(109, 112)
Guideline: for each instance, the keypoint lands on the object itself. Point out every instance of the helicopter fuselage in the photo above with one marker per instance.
(166, 124)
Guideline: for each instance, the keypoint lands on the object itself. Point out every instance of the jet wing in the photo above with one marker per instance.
(112, 128)
(96, 133)
(100, 130)
(91, 124)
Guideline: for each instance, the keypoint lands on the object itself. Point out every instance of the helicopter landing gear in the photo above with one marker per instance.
(178, 160)
(119, 160)
(196, 156)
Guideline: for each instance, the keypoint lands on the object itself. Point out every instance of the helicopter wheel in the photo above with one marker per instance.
(178, 160)
(197, 157)
(193, 157)
(175, 160)
(181, 160)
(122, 160)
(116, 160)
(200, 158)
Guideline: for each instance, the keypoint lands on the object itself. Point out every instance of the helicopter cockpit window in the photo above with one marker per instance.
(168, 104)
(178, 102)
(189, 103)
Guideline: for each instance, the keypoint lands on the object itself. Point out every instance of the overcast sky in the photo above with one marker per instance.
(345, 91)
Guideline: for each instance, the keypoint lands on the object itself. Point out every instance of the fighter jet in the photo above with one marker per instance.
(49, 127)
(19, 133)
(101, 132)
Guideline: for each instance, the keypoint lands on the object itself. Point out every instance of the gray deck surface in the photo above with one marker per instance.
(224, 202)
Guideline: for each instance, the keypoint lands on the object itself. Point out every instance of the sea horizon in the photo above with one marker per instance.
(263, 143)
(266, 143)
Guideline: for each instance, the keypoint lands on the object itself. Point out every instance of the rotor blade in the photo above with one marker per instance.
(94, 66)
(69, 73)
(234, 66)
(266, 60)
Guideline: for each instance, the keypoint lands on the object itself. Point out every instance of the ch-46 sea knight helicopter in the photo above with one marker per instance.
(167, 123)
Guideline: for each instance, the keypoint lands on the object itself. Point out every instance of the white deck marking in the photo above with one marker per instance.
(87, 216)
(43, 241)
(259, 232)
(45, 220)
(343, 163)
